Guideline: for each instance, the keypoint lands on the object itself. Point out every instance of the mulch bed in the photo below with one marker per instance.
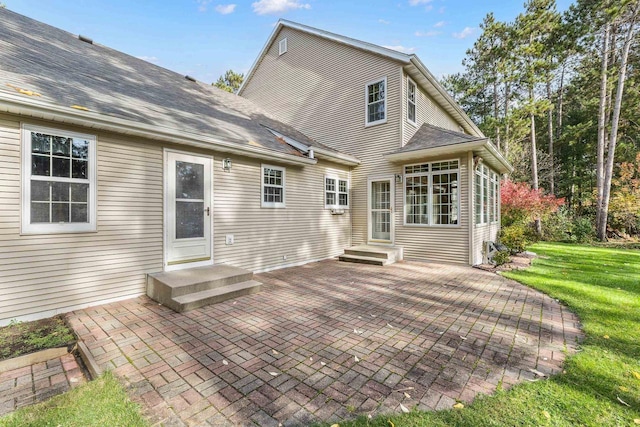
(17, 339)
(519, 261)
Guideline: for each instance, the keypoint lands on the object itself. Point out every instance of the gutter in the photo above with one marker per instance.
(449, 149)
(16, 104)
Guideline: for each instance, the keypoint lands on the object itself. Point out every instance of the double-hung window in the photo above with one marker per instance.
(336, 193)
(432, 193)
(376, 96)
(59, 181)
(487, 191)
(273, 187)
(411, 101)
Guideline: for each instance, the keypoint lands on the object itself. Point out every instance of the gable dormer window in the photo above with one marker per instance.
(282, 46)
(376, 97)
(411, 101)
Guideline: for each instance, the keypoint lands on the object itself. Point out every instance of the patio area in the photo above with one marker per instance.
(329, 341)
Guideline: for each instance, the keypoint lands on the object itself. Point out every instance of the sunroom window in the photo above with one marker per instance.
(59, 179)
(432, 193)
(487, 187)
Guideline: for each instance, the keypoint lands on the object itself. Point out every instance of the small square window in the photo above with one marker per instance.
(282, 46)
(336, 193)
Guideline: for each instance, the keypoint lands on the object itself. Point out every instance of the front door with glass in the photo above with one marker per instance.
(188, 210)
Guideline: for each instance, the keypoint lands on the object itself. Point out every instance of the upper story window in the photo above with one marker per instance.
(336, 192)
(273, 187)
(376, 95)
(432, 193)
(411, 101)
(282, 46)
(487, 192)
(59, 181)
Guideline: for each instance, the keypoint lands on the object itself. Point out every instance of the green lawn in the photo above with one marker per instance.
(102, 402)
(602, 286)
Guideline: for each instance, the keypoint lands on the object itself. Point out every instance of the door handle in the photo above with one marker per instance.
(207, 210)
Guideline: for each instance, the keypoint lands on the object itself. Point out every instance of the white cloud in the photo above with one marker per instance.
(402, 49)
(203, 4)
(429, 33)
(439, 24)
(264, 7)
(384, 21)
(225, 9)
(151, 59)
(442, 9)
(417, 2)
(464, 33)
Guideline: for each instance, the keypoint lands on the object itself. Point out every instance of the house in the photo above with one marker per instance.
(429, 179)
(118, 176)
(113, 168)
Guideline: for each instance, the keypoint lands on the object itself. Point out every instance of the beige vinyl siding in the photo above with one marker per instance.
(267, 238)
(44, 274)
(318, 86)
(437, 243)
(481, 234)
(48, 273)
(427, 111)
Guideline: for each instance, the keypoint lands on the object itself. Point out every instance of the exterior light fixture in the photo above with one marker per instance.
(398, 178)
(226, 164)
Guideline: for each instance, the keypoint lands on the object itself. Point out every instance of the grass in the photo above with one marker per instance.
(20, 338)
(102, 402)
(601, 285)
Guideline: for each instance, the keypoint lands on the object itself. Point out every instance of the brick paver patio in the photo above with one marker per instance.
(37, 383)
(329, 340)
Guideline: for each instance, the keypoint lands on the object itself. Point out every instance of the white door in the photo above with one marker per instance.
(188, 210)
(381, 196)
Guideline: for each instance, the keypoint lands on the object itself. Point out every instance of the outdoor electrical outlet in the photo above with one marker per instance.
(284, 257)
(228, 239)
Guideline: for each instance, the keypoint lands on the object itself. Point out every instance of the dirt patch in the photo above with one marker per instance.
(518, 262)
(19, 338)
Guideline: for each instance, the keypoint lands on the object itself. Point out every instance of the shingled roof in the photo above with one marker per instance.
(53, 68)
(430, 136)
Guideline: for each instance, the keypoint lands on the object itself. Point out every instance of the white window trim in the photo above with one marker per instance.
(284, 187)
(367, 123)
(26, 226)
(337, 193)
(430, 194)
(282, 46)
(492, 179)
(415, 101)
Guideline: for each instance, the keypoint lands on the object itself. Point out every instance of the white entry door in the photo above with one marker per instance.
(188, 210)
(381, 196)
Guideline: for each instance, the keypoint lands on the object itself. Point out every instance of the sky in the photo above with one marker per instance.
(204, 38)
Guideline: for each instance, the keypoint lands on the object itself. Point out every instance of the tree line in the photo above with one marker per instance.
(558, 95)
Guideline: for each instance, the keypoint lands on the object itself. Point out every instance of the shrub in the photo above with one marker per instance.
(558, 226)
(517, 237)
(583, 229)
(522, 204)
(501, 257)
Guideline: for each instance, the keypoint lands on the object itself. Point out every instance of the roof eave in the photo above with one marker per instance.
(484, 147)
(341, 158)
(458, 112)
(15, 104)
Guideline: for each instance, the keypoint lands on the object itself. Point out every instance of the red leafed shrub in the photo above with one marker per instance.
(523, 204)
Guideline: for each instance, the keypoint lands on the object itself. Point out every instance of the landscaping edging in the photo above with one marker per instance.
(89, 362)
(33, 358)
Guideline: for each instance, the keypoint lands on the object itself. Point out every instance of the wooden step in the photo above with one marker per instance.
(213, 296)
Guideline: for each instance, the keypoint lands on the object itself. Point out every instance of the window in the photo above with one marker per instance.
(487, 185)
(431, 193)
(273, 187)
(376, 102)
(411, 101)
(282, 46)
(336, 193)
(59, 181)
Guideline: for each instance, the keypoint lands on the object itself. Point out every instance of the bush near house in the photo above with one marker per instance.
(521, 206)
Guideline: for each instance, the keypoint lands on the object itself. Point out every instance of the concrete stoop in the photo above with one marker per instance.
(372, 254)
(185, 290)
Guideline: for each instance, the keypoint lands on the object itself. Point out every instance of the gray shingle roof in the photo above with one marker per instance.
(66, 71)
(430, 136)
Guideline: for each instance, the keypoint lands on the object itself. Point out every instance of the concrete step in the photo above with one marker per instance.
(213, 296)
(363, 259)
(388, 254)
(175, 289)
